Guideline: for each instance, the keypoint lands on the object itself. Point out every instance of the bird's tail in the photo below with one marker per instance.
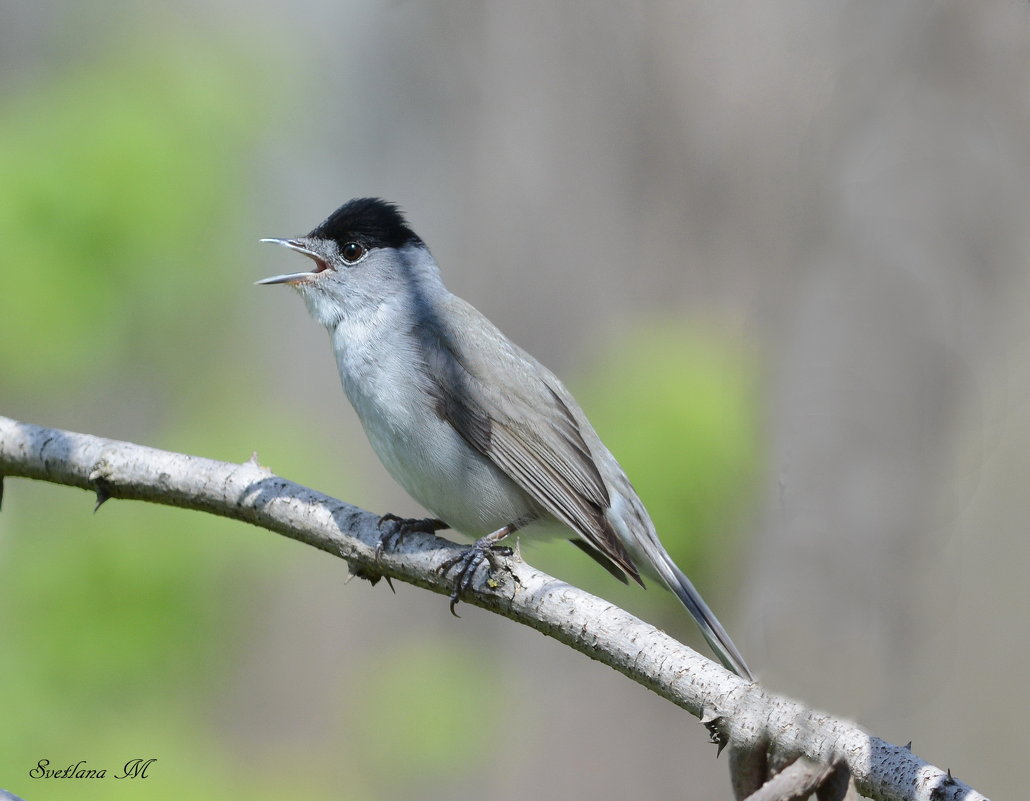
(677, 581)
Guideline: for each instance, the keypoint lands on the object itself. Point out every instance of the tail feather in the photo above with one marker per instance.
(711, 628)
(634, 528)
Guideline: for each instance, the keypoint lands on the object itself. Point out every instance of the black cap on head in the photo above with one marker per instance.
(368, 220)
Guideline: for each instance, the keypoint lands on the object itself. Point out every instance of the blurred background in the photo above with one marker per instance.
(778, 251)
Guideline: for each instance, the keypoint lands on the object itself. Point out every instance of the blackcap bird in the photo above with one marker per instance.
(473, 427)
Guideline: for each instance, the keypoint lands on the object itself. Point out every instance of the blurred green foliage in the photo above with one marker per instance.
(437, 706)
(122, 189)
(117, 189)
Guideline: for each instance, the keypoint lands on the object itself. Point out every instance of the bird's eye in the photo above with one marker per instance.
(352, 251)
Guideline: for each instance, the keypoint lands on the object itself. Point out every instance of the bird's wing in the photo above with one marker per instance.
(513, 410)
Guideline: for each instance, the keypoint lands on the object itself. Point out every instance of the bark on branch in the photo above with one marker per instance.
(763, 731)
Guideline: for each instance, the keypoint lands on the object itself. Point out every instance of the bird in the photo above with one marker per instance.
(474, 428)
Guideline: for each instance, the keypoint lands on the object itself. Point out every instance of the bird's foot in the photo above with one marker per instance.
(466, 563)
(393, 529)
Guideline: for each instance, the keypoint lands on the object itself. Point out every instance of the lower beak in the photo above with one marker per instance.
(294, 278)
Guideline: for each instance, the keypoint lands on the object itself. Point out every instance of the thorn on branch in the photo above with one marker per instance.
(715, 723)
(100, 485)
(368, 574)
(103, 496)
(940, 791)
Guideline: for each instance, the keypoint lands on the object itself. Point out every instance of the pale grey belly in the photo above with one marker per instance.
(441, 471)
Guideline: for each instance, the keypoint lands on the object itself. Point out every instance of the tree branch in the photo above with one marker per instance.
(760, 728)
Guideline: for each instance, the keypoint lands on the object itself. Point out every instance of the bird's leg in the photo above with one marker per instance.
(393, 529)
(485, 549)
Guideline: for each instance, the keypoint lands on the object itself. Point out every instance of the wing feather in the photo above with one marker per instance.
(529, 432)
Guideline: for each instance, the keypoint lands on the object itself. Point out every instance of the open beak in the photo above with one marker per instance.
(295, 278)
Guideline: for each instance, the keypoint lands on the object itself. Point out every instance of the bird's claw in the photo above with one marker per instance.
(467, 563)
(397, 528)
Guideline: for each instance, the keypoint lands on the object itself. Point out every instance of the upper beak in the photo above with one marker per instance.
(293, 278)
